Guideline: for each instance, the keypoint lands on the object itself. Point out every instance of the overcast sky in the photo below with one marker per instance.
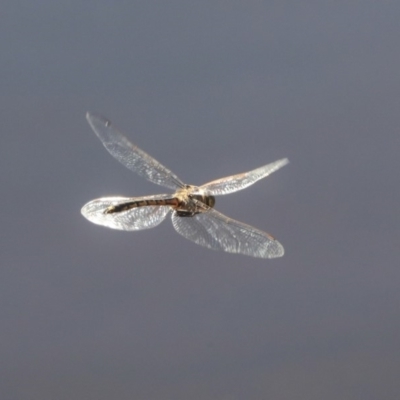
(210, 89)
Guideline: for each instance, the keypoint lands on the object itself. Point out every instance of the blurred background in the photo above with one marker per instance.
(210, 89)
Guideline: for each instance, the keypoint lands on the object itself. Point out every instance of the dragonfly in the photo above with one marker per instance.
(192, 207)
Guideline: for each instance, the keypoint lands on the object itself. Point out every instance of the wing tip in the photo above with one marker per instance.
(282, 162)
(85, 210)
(275, 249)
(94, 118)
(90, 116)
(285, 161)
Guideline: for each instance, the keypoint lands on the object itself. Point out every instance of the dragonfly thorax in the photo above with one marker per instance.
(188, 202)
(207, 200)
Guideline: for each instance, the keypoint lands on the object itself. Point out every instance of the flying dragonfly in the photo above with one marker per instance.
(192, 207)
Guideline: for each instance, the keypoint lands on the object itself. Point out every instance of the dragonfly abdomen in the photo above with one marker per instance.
(173, 202)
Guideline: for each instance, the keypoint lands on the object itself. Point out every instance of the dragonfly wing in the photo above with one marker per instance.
(130, 155)
(237, 182)
(216, 231)
(130, 220)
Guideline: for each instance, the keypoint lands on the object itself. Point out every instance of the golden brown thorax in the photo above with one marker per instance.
(187, 207)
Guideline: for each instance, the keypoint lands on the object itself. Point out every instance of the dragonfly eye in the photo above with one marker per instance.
(210, 201)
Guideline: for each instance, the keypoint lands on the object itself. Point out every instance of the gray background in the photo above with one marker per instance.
(209, 88)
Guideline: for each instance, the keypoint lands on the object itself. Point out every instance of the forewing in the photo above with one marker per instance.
(130, 155)
(130, 220)
(237, 182)
(216, 231)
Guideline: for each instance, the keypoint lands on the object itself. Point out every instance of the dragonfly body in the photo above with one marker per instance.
(183, 201)
(193, 213)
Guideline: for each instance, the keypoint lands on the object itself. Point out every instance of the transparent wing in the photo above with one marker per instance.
(237, 182)
(130, 220)
(216, 231)
(130, 155)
